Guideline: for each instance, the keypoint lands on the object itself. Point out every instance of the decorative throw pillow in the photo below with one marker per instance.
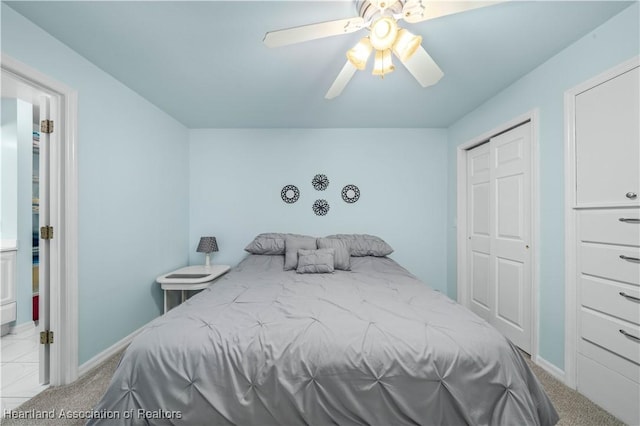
(365, 245)
(315, 261)
(342, 256)
(293, 243)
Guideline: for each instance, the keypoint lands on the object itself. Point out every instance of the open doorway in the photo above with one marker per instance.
(57, 208)
(24, 366)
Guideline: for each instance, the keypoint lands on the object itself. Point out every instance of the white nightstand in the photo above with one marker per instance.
(196, 277)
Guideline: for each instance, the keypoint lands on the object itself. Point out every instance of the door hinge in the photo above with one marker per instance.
(46, 337)
(46, 126)
(46, 232)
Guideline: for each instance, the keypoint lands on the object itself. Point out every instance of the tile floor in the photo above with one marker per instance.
(19, 368)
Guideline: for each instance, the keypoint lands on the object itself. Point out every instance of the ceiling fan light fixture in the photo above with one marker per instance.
(383, 64)
(406, 44)
(359, 54)
(383, 33)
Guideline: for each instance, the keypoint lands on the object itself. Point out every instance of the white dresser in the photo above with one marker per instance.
(607, 246)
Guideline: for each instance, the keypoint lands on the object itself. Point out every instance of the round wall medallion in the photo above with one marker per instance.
(290, 194)
(350, 193)
(320, 182)
(321, 207)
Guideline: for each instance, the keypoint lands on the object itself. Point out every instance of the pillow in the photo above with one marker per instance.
(365, 245)
(268, 243)
(293, 243)
(315, 261)
(342, 256)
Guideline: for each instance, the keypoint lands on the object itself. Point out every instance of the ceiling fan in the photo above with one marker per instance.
(380, 18)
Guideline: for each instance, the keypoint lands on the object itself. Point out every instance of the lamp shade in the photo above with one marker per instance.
(383, 64)
(207, 245)
(359, 54)
(406, 44)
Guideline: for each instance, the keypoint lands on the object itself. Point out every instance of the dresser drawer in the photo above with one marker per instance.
(613, 392)
(605, 331)
(616, 363)
(606, 262)
(612, 298)
(606, 226)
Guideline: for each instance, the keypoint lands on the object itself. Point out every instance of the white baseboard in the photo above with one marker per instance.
(22, 328)
(107, 353)
(550, 368)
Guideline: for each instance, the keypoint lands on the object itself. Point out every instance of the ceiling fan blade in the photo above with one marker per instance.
(423, 68)
(341, 81)
(313, 31)
(422, 10)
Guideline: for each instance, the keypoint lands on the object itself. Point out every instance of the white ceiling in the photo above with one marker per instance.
(204, 63)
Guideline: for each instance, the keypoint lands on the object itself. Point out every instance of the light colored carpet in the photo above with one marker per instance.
(573, 408)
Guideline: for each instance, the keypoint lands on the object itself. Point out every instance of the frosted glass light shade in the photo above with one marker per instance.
(383, 64)
(383, 33)
(406, 44)
(359, 54)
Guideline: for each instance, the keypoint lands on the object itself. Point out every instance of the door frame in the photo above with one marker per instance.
(461, 237)
(571, 219)
(63, 311)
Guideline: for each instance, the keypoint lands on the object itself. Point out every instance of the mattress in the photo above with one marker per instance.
(370, 346)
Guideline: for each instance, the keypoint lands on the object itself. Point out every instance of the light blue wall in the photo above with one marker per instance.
(612, 43)
(9, 173)
(133, 189)
(237, 175)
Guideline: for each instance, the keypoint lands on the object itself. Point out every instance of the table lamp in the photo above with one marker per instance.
(207, 245)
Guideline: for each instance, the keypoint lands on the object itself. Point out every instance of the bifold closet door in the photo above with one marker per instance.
(499, 224)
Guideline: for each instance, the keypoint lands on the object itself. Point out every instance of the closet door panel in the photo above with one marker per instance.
(479, 231)
(608, 131)
(511, 216)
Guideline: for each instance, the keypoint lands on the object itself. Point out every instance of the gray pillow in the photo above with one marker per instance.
(315, 261)
(268, 243)
(342, 256)
(365, 245)
(293, 243)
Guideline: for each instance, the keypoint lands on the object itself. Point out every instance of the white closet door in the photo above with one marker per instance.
(499, 191)
(478, 187)
(44, 287)
(510, 252)
(608, 153)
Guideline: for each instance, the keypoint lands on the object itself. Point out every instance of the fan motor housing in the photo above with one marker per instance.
(370, 10)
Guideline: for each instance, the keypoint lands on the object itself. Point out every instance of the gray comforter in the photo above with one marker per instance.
(370, 346)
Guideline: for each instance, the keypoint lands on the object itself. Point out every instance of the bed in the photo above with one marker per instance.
(372, 345)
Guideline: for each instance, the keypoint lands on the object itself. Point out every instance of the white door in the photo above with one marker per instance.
(606, 160)
(499, 200)
(44, 245)
(479, 247)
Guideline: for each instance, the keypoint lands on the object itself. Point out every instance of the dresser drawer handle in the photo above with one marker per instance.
(626, 296)
(629, 335)
(629, 258)
(629, 220)
(631, 195)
